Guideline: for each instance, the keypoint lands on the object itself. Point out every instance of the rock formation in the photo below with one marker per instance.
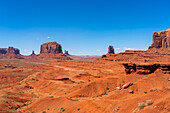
(33, 54)
(9, 50)
(111, 50)
(66, 52)
(52, 50)
(161, 39)
(146, 68)
(10, 53)
(51, 47)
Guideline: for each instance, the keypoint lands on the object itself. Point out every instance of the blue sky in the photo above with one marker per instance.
(83, 27)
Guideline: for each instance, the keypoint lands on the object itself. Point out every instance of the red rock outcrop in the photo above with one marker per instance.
(161, 39)
(66, 52)
(9, 50)
(111, 50)
(52, 50)
(33, 54)
(51, 47)
(146, 68)
(10, 53)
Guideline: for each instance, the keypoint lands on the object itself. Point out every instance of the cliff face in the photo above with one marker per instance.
(9, 50)
(111, 50)
(161, 39)
(52, 50)
(51, 47)
(10, 53)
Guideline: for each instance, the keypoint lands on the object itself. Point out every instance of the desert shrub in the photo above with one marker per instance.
(107, 88)
(10, 107)
(145, 92)
(62, 109)
(13, 109)
(78, 109)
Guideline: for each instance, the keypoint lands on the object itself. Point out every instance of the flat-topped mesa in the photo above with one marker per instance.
(9, 50)
(51, 47)
(111, 50)
(10, 53)
(52, 50)
(161, 39)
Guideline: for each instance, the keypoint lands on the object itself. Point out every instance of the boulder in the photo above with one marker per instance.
(127, 85)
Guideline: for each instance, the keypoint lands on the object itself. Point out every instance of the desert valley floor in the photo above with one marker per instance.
(80, 86)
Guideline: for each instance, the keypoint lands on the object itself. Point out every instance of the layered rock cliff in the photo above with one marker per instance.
(10, 53)
(161, 39)
(52, 50)
(9, 50)
(51, 47)
(111, 50)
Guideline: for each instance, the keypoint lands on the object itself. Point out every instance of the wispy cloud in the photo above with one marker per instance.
(25, 51)
(128, 48)
(48, 37)
(117, 48)
(98, 50)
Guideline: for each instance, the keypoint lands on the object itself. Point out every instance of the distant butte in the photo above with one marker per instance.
(52, 50)
(111, 50)
(10, 53)
(51, 47)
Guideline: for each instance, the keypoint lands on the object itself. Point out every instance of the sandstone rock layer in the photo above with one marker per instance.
(161, 39)
(111, 50)
(51, 47)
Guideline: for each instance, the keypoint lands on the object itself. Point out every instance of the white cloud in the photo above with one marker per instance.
(128, 48)
(117, 48)
(80, 52)
(25, 50)
(98, 50)
(48, 37)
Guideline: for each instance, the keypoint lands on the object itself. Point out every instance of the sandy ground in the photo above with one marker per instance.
(80, 87)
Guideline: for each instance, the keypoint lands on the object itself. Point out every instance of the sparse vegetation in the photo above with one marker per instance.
(62, 109)
(145, 92)
(10, 107)
(78, 109)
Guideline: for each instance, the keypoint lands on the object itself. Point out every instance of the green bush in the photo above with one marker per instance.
(78, 109)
